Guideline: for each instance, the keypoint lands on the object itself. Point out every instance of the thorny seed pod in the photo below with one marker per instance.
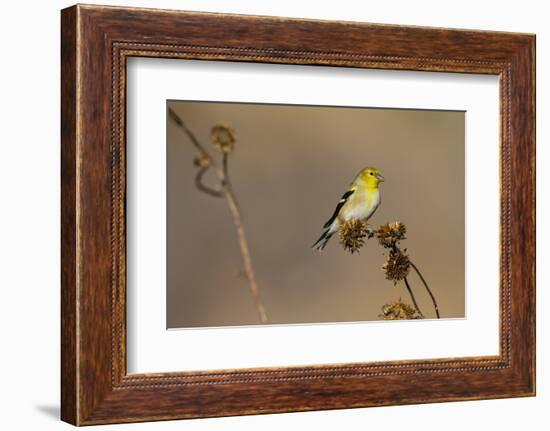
(398, 310)
(352, 235)
(396, 266)
(390, 234)
(223, 138)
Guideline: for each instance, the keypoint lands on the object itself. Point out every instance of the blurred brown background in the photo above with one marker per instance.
(290, 166)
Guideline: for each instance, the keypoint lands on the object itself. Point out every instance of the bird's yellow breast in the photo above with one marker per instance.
(361, 204)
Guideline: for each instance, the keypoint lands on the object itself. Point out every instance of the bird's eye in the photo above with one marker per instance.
(371, 173)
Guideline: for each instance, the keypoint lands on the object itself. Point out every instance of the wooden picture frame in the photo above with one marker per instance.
(95, 43)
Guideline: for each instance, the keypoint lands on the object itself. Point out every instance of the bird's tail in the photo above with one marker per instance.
(323, 239)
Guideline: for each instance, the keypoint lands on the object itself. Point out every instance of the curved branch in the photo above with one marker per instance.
(427, 288)
(227, 192)
(203, 187)
(202, 150)
(243, 243)
(245, 252)
(413, 298)
(177, 119)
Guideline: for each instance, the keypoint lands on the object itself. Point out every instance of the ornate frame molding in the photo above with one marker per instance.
(96, 41)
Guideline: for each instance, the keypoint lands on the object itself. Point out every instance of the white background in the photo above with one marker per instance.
(29, 226)
(152, 349)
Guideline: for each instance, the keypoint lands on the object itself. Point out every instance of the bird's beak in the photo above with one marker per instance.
(380, 177)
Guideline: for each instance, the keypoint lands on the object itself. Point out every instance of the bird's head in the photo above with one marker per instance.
(369, 177)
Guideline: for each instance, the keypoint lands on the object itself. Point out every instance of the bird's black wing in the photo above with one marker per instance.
(341, 203)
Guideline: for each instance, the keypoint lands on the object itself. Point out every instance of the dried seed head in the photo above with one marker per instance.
(223, 138)
(396, 266)
(398, 310)
(352, 235)
(202, 160)
(390, 234)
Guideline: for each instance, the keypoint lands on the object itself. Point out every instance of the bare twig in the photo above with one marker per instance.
(203, 187)
(245, 251)
(412, 297)
(427, 288)
(225, 164)
(227, 192)
(177, 119)
(243, 243)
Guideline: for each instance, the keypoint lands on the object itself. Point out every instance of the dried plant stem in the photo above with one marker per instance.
(413, 298)
(227, 192)
(177, 119)
(427, 288)
(245, 251)
(204, 188)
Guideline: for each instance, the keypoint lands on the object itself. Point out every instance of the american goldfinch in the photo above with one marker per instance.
(359, 202)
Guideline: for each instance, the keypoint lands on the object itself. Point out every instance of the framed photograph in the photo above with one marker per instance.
(264, 215)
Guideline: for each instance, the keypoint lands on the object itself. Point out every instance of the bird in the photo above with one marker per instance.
(360, 201)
